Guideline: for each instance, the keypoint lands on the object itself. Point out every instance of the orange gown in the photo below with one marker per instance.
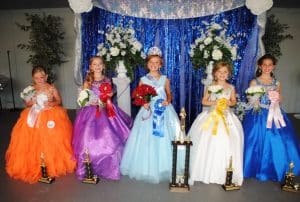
(51, 135)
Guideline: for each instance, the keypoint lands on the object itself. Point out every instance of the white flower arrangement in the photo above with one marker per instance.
(27, 93)
(215, 89)
(121, 45)
(255, 90)
(83, 97)
(240, 108)
(213, 45)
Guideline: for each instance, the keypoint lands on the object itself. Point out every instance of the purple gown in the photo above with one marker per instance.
(103, 137)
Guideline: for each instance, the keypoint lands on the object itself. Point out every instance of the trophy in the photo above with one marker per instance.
(45, 178)
(90, 178)
(179, 183)
(289, 180)
(229, 186)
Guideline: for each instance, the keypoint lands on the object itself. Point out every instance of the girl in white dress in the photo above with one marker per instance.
(217, 133)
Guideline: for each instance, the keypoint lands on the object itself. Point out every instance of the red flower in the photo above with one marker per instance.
(143, 94)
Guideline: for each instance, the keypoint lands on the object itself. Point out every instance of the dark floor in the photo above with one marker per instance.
(68, 189)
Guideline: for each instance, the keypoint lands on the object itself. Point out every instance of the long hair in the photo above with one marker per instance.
(90, 74)
(260, 61)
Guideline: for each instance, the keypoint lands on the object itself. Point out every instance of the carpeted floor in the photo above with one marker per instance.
(69, 189)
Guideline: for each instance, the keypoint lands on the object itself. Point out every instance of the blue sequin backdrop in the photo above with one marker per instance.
(174, 37)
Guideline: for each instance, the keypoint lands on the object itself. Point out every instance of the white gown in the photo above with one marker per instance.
(210, 154)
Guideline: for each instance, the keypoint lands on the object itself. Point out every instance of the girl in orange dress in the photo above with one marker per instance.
(42, 133)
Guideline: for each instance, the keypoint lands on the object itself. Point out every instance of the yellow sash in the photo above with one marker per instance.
(215, 116)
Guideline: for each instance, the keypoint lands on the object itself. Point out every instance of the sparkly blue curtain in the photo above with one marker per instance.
(174, 38)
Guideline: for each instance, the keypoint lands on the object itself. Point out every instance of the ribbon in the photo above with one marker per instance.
(36, 109)
(158, 118)
(105, 91)
(216, 116)
(274, 111)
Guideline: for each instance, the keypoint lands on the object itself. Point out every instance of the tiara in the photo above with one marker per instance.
(154, 51)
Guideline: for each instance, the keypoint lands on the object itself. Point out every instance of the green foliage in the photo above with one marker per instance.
(45, 37)
(275, 33)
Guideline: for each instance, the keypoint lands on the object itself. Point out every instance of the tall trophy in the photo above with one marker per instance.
(179, 183)
(90, 178)
(289, 180)
(45, 178)
(229, 186)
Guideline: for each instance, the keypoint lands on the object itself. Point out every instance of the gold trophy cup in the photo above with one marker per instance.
(90, 178)
(45, 178)
(289, 180)
(229, 186)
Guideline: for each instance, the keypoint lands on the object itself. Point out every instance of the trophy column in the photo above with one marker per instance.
(180, 183)
(45, 178)
(90, 178)
(289, 181)
(229, 186)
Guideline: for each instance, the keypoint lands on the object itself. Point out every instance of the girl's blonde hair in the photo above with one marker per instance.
(219, 65)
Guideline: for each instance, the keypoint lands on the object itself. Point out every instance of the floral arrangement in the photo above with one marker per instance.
(254, 93)
(215, 89)
(213, 45)
(143, 94)
(27, 93)
(121, 45)
(240, 108)
(84, 97)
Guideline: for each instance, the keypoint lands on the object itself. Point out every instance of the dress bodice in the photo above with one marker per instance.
(158, 84)
(96, 84)
(224, 94)
(267, 87)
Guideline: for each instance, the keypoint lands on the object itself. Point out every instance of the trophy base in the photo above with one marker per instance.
(231, 187)
(94, 180)
(289, 188)
(47, 180)
(179, 187)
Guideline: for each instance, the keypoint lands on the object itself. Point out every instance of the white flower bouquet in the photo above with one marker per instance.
(215, 89)
(83, 97)
(213, 45)
(27, 93)
(121, 44)
(254, 93)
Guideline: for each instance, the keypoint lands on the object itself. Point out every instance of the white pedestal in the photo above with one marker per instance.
(123, 93)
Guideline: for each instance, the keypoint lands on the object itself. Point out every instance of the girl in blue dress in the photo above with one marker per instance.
(148, 152)
(270, 141)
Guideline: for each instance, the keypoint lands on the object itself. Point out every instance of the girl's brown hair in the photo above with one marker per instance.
(260, 61)
(90, 74)
(38, 68)
(219, 65)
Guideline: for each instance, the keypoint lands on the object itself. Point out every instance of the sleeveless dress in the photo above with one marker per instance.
(103, 137)
(148, 151)
(269, 151)
(50, 135)
(210, 153)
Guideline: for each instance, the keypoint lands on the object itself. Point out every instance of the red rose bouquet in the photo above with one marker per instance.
(143, 94)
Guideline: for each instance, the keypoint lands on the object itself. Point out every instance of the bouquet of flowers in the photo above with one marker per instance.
(254, 94)
(143, 94)
(240, 108)
(84, 97)
(121, 45)
(213, 45)
(27, 93)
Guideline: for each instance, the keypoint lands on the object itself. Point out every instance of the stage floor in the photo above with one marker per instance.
(69, 189)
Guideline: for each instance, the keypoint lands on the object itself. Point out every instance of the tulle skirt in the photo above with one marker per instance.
(51, 136)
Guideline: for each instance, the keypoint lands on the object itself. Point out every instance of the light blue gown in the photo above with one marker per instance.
(148, 151)
(269, 151)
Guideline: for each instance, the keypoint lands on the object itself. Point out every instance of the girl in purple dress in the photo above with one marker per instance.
(100, 128)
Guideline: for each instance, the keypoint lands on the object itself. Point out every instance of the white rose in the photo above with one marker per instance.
(217, 54)
(137, 45)
(123, 53)
(100, 46)
(218, 39)
(201, 47)
(133, 50)
(114, 51)
(216, 26)
(122, 45)
(205, 54)
(102, 52)
(208, 40)
(108, 57)
(198, 40)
